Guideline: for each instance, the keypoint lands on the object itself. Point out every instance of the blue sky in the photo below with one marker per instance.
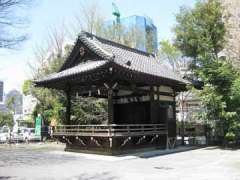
(46, 14)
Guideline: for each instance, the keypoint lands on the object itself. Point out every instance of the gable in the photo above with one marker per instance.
(79, 54)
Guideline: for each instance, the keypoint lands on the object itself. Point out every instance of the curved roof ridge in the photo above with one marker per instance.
(101, 39)
(95, 47)
(86, 66)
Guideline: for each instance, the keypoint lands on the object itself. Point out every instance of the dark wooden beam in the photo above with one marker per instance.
(130, 96)
(133, 88)
(68, 108)
(110, 107)
(152, 105)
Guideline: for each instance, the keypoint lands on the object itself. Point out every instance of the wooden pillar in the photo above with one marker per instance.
(174, 106)
(158, 104)
(152, 106)
(182, 118)
(174, 112)
(110, 107)
(68, 107)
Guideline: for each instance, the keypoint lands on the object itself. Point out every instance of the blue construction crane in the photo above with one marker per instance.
(116, 12)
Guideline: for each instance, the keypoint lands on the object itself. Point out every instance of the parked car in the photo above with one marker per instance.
(17, 137)
(18, 134)
(4, 134)
(29, 135)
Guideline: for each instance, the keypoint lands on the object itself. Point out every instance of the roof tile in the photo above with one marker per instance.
(129, 58)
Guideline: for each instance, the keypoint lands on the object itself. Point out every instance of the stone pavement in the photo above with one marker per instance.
(51, 162)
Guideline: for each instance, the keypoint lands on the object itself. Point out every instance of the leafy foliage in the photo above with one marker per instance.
(6, 118)
(10, 103)
(26, 87)
(89, 111)
(200, 34)
(170, 54)
(200, 31)
(51, 103)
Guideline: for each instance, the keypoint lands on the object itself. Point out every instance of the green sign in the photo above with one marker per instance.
(38, 125)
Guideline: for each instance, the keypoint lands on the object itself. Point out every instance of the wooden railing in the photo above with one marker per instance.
(110, 130)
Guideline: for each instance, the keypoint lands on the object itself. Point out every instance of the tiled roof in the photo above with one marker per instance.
(126, 57)
(130, 58)
(83, 67)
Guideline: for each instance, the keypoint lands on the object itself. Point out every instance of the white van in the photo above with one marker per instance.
(4, 134)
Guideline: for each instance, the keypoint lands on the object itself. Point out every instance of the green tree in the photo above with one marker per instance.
(169, 53)
(200, 35)
(51, 103)
(10, 104)
(201, 30)
(6, 119)
(235, 93)
(89, 111)
(26, 88)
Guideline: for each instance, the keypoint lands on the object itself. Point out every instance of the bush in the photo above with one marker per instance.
(230, 136)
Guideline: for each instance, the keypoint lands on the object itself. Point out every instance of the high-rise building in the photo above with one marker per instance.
(29, 103)
(143, 26)
(231, 15)
(17, 103)
(1, 91)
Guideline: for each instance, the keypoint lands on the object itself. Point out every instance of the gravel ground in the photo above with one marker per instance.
(49, 161)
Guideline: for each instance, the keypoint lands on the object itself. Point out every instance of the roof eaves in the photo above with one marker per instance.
(73, 71)
(94, 46)
(179, 79)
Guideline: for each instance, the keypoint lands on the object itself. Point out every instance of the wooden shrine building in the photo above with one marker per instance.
(140, 92)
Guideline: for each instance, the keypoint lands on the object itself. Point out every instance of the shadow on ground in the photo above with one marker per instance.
(222, 148)
(154, 153)
(99, 176)
(5, 177)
